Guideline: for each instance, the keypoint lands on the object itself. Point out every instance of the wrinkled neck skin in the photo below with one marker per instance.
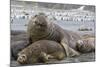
(43, 32)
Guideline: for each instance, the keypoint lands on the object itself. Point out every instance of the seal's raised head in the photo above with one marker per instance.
(39, 21)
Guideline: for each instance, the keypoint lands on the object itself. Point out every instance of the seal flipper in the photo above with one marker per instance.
(43, 57)
(59, 55)
(68, 50)
(73, 53)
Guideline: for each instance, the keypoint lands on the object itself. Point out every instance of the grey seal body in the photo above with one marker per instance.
(41, 28)
(42, 50)
(19, 41)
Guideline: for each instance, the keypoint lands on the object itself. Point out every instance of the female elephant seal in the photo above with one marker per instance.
(41, 50)
(41, 28)
(86, 45)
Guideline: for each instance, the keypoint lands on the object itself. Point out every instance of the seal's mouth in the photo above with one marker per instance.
(40, 26)
(40, 20)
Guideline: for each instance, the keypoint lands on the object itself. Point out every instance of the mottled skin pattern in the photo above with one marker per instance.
(41, 51)
(86, 45)
(41, 28)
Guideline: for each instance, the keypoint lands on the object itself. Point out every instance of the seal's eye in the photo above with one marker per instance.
(23, 56)
(22, 59)
(37, 23)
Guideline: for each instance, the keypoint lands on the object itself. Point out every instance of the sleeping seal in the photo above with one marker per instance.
(41, 51)
(41, 28)
(86, 45)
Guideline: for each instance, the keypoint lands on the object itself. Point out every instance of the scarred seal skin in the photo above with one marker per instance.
(41, 51)
(41, 28)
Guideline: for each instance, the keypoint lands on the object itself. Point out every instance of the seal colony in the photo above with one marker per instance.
(48, 40)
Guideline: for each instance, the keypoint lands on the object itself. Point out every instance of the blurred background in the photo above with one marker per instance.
(78, 18)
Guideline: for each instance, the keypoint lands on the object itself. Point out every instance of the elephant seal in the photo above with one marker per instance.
(41, 51)
(41, 28)
(16, 47)
(19, 41)
(86, 45)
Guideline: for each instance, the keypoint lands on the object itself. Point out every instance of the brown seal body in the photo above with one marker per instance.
(41, 28)
(41, 51)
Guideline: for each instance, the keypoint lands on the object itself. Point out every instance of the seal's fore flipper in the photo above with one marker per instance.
(43, 55)
(68, 50)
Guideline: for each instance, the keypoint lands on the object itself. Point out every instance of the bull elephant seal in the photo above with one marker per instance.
(86, 45)
(41, 28)
(41, 50)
